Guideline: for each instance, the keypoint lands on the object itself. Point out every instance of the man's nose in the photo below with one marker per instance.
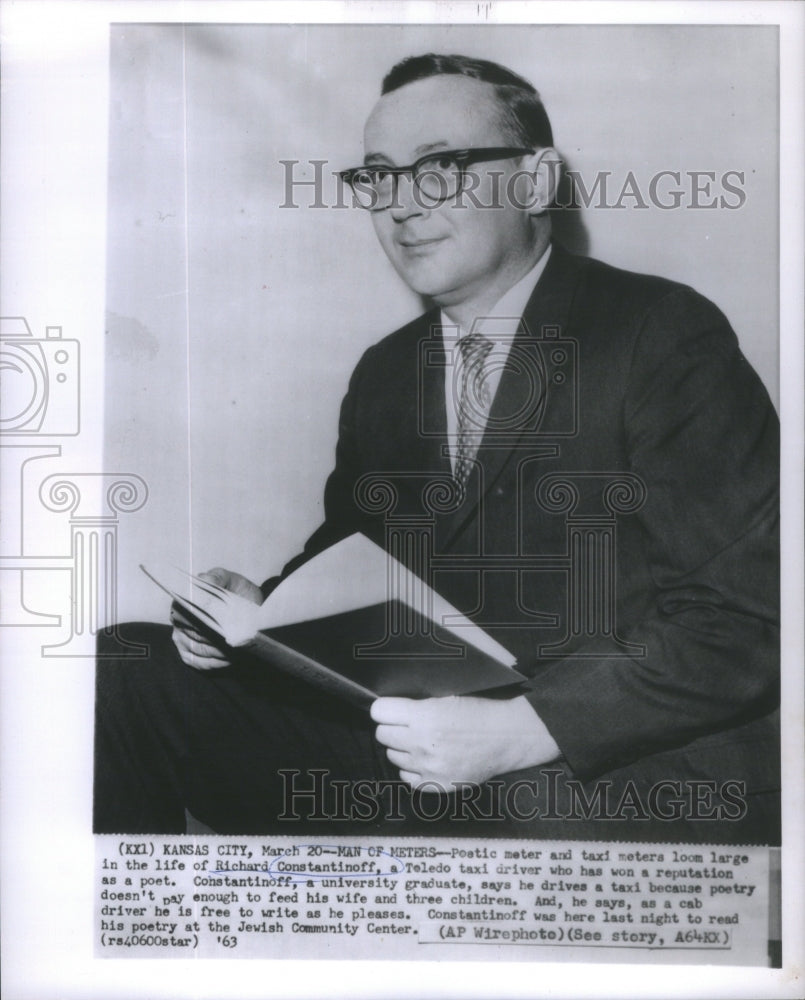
(406, 201)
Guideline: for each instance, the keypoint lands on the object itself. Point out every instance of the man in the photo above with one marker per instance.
(602, 400)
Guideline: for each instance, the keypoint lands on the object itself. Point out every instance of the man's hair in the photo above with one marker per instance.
(523, 116)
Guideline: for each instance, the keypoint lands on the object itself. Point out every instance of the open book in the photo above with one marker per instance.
(356, 622)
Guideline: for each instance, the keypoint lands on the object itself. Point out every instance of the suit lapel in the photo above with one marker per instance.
(427, 452)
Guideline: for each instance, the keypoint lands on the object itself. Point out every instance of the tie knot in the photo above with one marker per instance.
(474, 348)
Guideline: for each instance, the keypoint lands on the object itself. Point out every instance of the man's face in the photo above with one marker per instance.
(455, 250)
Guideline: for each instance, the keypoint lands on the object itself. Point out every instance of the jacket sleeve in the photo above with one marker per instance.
(703, 436)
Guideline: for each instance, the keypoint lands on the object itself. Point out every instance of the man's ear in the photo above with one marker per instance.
(544, 169)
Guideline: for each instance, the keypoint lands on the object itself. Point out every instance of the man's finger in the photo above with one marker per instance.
(197, 647)
(399, 759)
(208, 652)
(393, 711)
(201, 663)
(198, 657)
(201, 641)
(394, 737)
(411, 777)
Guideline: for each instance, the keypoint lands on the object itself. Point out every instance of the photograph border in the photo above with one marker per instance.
(56, 63)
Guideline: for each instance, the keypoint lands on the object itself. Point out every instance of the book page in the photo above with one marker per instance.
(232, 616)
(355, 573)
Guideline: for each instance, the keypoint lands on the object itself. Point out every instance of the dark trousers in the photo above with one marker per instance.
(242, 748)
(169, 738)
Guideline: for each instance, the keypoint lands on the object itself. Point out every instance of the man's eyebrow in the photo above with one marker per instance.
(377, 158)
(419, 151)
(428, 146)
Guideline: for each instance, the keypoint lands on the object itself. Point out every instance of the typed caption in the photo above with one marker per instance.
(400, 898)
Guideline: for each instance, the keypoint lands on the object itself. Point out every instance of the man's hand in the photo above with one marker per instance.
(461, 739)
(198, 650)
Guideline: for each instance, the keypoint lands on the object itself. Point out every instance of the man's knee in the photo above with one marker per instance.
(154, 637)
(119, 676)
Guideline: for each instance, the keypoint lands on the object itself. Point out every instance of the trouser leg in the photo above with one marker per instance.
(229, 745)
(170, 738)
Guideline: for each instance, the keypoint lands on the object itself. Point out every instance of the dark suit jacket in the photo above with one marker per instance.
(636, 379)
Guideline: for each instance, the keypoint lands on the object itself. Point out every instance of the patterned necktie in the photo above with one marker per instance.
(473, 404)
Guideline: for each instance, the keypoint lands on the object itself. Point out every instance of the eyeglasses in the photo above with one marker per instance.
(436, 176)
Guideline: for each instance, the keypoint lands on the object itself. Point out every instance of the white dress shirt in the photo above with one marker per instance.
(500, 327)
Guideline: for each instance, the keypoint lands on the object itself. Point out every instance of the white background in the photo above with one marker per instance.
(55, 116)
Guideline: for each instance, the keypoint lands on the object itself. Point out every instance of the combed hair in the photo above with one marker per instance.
(523, 115)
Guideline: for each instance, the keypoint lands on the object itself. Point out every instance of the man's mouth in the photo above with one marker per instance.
(420, 244)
